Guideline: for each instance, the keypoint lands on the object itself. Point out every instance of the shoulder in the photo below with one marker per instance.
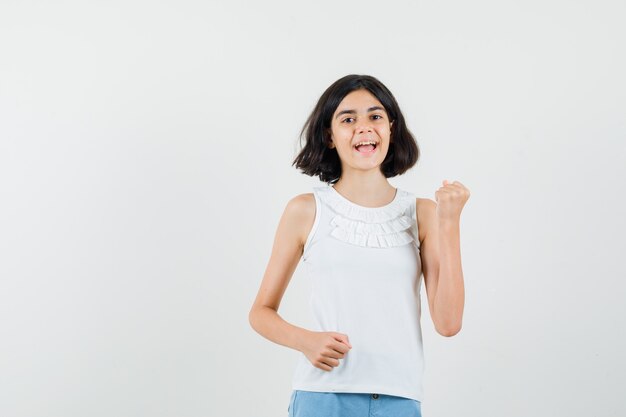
(426, 210)
(301, 204)
(300, 213)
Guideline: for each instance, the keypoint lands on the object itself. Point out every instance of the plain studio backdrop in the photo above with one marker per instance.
(145, 160)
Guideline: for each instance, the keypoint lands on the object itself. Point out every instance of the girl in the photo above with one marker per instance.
(366, 245)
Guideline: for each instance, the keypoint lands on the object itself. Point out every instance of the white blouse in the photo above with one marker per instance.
(365, 270)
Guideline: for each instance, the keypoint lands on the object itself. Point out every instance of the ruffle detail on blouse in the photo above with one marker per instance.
(379, 227)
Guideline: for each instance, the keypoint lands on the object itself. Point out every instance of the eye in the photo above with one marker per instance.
(377, 115)
(344, 120)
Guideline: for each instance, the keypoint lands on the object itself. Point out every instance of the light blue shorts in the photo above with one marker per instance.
(347, 404)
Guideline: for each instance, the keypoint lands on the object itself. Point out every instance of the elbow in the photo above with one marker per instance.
(449, 331)
(255, 316)
(252, 317)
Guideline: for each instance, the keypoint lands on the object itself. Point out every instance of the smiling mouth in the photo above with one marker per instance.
(366, 149)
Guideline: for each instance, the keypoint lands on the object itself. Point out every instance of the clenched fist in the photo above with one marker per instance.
(324, 349)
(450, 200)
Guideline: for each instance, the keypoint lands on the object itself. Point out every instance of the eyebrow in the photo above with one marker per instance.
(354, 111)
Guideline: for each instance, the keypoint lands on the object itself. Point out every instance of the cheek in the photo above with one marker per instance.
(338, 131)
(384, 131)
(344, 134)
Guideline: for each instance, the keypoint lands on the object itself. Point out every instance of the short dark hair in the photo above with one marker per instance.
(316, 158)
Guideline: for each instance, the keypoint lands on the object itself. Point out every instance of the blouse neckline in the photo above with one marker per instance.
(396, 197)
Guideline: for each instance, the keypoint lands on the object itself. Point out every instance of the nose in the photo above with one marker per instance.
(362, 128)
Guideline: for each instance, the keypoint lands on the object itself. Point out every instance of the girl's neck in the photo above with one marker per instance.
(373, 191)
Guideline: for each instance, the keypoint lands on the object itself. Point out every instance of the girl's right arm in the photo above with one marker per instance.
(294, 224)
(324, 349)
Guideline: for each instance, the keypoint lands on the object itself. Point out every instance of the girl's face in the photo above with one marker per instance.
(360, 118)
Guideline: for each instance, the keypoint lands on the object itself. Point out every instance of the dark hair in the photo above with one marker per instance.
(316, 158)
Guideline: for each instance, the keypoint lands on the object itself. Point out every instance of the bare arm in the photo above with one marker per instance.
(450, 296)
(295, 222)
(323, 349)
(443, 275)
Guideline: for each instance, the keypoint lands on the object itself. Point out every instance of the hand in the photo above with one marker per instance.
(450, 200)
(324, 349)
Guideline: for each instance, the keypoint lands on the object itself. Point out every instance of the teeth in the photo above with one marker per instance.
(365, 143)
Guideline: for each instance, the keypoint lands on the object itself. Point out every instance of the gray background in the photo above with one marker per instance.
(145, 162)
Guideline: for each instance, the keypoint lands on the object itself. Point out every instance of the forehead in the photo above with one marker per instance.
(359, 100)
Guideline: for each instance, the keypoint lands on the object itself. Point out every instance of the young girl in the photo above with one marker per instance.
(366, 245)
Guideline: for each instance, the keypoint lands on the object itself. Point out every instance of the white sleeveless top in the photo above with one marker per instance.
(365, 269)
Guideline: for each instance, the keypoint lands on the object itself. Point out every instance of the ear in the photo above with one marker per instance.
(330, 137)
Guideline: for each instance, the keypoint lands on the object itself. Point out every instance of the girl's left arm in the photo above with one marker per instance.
(444, 282)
